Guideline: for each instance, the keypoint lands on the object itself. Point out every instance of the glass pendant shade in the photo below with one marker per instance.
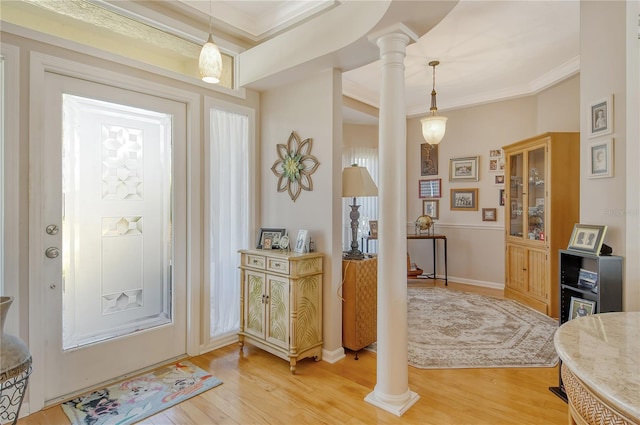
(433, 128)
(210, 62)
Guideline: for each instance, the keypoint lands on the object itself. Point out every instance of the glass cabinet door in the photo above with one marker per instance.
(536, 194)
(515, 191)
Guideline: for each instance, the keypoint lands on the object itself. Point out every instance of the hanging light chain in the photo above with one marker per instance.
(433, 90)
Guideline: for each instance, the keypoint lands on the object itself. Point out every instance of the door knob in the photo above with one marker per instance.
(52, 252)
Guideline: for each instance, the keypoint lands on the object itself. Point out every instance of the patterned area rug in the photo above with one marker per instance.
(453, 329)
(140, 397)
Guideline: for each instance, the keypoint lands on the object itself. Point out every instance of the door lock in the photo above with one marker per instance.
(52, 252)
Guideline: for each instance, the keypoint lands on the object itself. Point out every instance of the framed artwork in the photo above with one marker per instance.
(502, 197)
(429, 188)
(495, 153)
(273, 235)
(587, 238)
(493, 165)
(464, 199)
(373, 228)
(431, 207)
(463, 169)
(428, 159)
(579, 307)
(601, 159)
(489, 214)
(302, 242)
(498, 180)
(601, 117)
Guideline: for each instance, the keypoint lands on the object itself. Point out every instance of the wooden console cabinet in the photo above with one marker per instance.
(281, 303)
(542, 185)
(359, 305)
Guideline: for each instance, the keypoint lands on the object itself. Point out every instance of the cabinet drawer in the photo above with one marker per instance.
(278, 265)
(255, 261)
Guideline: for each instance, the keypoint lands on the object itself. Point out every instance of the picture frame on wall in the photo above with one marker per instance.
(429, 188)
(489, 214)
(587, 238)
(464, 199)
(579, 307)
(428, 160)
(431, 207)
(601, 117)
(463, 169)
(600, 159)
(502, 197)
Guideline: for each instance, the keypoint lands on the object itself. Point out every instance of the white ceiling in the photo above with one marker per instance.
(488, 50)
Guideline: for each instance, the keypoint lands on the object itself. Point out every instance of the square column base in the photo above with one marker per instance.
(397, 409)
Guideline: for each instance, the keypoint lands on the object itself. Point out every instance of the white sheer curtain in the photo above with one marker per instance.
(228, 200)
(364, 157)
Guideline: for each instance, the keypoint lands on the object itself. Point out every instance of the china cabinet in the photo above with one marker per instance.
(542, 178)
(281, 303)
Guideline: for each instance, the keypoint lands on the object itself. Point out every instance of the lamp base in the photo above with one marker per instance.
(353, 255)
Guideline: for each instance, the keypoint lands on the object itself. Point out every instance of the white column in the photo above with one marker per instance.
(392, 391)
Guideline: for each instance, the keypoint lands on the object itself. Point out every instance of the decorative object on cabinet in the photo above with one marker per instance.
(284, 243)
(428, 159)
(580, 307)
(356, 181)
(302, 242)
(601, 159)
(605, 291)
(359, 303)
(431, 207)
(433, 125)
(463, 169)
(587, 238)
(429, 188)
(281, 303)
(373, 228)
(295, 165)
(600, 117)
(489, 214)
(274, 234)
(544, 199)
(464, 199)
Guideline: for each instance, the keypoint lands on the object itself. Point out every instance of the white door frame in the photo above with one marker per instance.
(40, 64)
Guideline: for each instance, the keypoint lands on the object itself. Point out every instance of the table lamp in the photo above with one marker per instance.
(356, 181)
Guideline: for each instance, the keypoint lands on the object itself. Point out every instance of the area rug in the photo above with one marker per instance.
(140, 397)
(454, 329)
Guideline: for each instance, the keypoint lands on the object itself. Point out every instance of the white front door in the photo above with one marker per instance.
(112, 247)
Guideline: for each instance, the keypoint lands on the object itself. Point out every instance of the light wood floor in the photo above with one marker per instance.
(259, 389)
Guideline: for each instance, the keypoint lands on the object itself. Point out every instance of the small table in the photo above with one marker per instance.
(433, 238)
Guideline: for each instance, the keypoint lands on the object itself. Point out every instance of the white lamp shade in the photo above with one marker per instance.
(210, 62)
(433, 128)
(356, 182)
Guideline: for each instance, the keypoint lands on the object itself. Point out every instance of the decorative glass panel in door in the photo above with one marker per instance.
(515, 197)
(536, 194)
(117, 220)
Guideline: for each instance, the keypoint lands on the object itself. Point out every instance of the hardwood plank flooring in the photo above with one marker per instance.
(258, 388)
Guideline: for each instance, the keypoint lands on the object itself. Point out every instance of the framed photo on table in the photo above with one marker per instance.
(463, 169)
(580, 307)
(302, 242)
(273, 234)
(587, 238)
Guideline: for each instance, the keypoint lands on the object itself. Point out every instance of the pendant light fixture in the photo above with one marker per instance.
(210, 62)
(434, 125)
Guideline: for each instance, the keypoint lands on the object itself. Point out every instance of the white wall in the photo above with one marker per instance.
(313, 109)
(604, 50)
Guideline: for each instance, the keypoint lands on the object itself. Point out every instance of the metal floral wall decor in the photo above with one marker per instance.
(294, 166)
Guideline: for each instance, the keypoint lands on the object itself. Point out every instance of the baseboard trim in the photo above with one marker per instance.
(333, 356)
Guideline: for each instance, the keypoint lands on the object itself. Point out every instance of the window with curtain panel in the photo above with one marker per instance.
(227, 218)
(364, 157)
